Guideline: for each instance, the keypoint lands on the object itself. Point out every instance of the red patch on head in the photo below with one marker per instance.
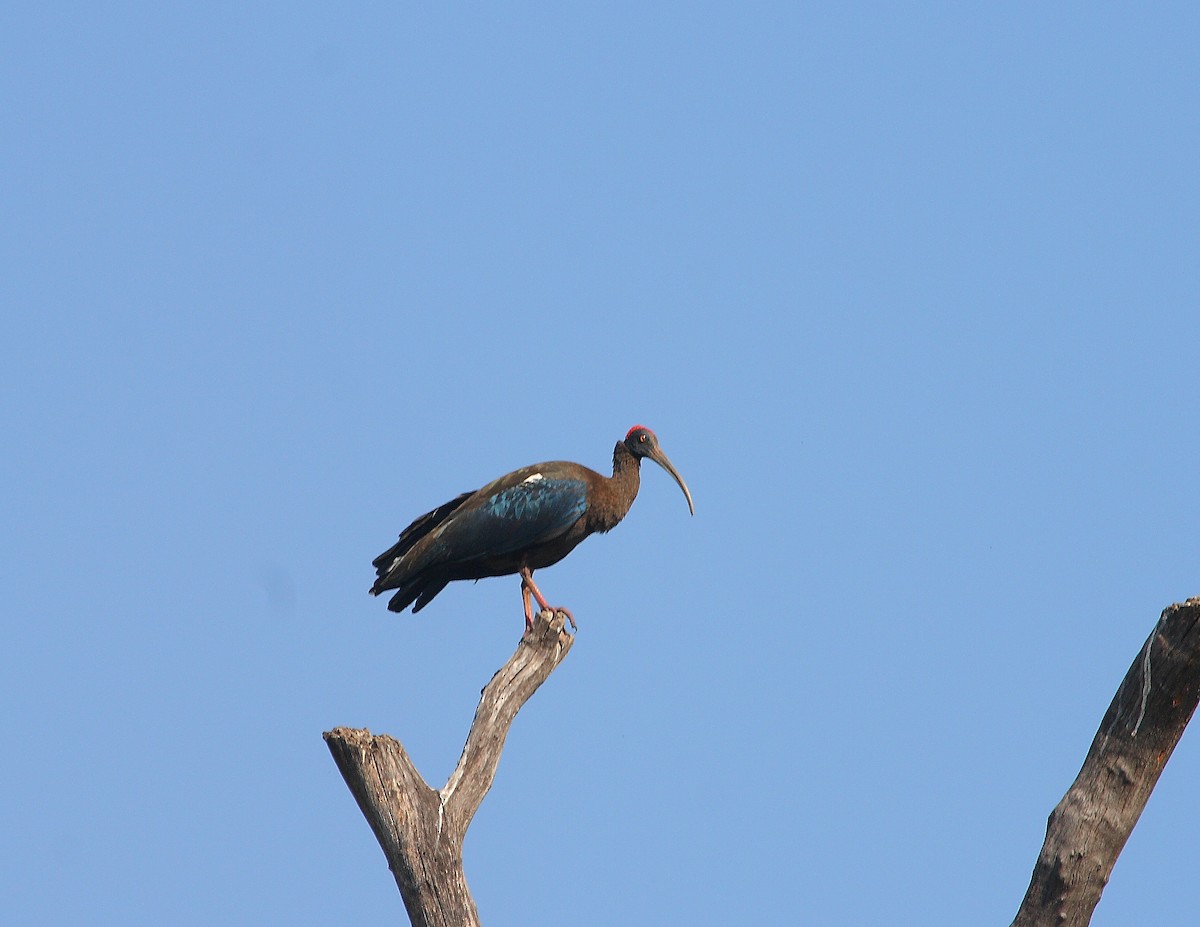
(629, 434)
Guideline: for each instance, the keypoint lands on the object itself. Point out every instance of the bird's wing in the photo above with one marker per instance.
(417, 530)
(507, 518)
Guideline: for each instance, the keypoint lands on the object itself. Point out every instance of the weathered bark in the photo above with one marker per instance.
(421, 830)
(1089, 827)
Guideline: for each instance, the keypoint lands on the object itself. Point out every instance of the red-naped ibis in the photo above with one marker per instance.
(529, 519)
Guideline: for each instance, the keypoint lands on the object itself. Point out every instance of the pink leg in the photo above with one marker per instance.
(528, 605)
(528, 586)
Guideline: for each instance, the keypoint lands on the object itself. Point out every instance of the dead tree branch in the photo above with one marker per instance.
(421, 830)
(1089, 827)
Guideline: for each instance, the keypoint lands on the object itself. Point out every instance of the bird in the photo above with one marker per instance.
(524, 521)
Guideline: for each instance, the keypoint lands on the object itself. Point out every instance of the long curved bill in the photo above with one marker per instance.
(663, 461)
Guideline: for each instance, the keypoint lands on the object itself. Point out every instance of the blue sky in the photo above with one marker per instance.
(909, 293)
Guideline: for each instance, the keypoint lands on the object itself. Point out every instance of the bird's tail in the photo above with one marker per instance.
(419, 590)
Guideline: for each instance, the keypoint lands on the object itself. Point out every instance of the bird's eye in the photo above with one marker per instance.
(642, 438)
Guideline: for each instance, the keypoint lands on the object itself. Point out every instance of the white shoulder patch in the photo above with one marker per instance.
(532, 478)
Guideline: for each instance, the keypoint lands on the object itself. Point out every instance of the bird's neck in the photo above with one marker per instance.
(620, 490)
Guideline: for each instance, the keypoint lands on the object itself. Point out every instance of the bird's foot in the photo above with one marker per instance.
(528, 587)
(550, 612)
(567, 613)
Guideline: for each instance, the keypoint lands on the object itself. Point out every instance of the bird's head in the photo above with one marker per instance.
(642, 442)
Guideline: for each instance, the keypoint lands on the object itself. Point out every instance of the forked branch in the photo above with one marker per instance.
(421, 830)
